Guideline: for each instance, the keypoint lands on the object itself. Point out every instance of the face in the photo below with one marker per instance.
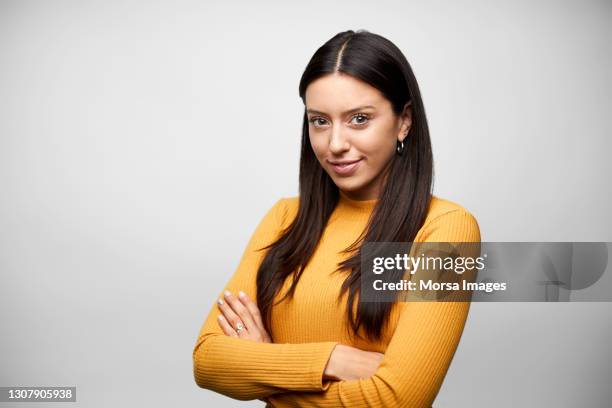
(353, 132)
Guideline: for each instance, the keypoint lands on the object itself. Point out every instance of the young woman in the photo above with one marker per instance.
(288, 328)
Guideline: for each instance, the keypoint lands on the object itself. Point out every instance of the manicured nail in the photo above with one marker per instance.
(241, 294)
(227, 293)
(220, 317)
(220, 301)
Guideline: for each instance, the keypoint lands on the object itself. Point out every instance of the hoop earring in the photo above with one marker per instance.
(400, 148)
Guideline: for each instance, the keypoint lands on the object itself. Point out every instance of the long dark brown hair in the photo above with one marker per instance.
(402, 206)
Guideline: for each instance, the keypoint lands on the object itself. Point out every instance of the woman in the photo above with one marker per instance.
(288, 327)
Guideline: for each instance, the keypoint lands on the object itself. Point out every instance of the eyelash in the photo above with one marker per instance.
(363, 115)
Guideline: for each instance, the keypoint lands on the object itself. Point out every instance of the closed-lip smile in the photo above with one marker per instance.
(345, 167)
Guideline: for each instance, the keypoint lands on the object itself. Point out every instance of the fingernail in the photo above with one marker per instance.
(220, 317)
(241, 294)
(220, 301)
(227, 293)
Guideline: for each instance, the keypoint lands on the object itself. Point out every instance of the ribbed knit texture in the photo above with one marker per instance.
(418, 345)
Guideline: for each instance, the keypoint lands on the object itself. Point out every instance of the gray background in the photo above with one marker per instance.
(141, 143)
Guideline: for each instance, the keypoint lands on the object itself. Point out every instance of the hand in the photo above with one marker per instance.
(241, 311)
(350, 363)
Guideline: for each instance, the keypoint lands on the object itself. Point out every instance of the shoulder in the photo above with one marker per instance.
(274, 220)
(448, 221)
(285, 210)
(440, 206)
(290, 203)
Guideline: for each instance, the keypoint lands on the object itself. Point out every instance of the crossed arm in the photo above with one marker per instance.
(241, 318)
(413, 368)
(410, 375)
(245, 369)
(422, 367)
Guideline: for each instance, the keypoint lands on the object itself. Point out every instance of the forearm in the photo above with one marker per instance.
(374, 392)
(246, 370)
(412, 371)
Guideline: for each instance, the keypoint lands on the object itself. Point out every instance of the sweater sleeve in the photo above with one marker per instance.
(244, 369)
(418, 355)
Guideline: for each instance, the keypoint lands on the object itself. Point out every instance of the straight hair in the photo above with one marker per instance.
(402, 206)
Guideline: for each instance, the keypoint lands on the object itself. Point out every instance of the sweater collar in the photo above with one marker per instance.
(351, 205)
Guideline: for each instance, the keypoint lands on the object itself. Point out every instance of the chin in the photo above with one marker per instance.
(347, 184)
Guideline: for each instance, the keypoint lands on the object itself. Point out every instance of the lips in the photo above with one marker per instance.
(345, 167)
(344, 162)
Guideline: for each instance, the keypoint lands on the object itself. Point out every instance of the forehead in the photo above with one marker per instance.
(335, 93)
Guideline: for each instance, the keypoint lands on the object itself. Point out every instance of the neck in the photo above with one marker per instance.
(351, 204)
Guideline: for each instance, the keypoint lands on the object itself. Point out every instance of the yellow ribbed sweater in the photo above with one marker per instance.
(418, 346)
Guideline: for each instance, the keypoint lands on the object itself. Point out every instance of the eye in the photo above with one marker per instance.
(362, 119)
(317, 121)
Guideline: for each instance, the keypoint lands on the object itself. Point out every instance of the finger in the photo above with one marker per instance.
(225, 326)
(252, 308)
(242, 312)
(228, 313)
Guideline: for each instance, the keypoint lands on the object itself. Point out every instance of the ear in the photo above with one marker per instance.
(405, 121)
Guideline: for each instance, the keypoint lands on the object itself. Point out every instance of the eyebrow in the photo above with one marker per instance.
(345, 112)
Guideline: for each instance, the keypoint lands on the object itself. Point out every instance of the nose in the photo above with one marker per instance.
(339, 140)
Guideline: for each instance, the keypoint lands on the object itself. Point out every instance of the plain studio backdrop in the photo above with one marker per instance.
(142, 142)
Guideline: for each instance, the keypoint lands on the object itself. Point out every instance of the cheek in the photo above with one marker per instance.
(376, 148)
(319, 145)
